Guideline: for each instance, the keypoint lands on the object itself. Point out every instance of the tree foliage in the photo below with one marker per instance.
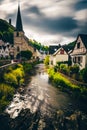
(25, 55)
(6, 31)
(38, 45)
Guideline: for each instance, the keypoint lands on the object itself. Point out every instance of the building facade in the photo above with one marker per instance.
(79, 53)
(21, 42)
(59, 56)
(6, 50)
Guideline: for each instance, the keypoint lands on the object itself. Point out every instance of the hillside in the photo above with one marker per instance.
(6, 31)
(6, 34)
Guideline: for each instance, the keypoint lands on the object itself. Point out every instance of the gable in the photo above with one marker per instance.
(60, 51)
(80, 47)
(79, 43)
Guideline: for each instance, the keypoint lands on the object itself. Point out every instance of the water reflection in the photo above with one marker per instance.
(40, 95)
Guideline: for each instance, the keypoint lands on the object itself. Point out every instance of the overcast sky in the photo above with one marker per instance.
(48, 21)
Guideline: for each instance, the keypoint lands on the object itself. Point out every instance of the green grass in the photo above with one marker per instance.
(64, 84)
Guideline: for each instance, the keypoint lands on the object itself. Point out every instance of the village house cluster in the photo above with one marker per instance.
(57, 53)
(21, 42)
(6, 50)
(77, 56)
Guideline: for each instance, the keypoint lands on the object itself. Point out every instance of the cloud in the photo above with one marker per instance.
(80, 5)
(49, 21)
(33, 9)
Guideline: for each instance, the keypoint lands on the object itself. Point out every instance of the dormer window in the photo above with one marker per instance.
(78, 45)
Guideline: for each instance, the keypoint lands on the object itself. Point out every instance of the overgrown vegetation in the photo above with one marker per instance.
(38, 45)
(46, 61)
(72, 71)
(6, 94)
(24, 55)
(64, 84)
(12, 78)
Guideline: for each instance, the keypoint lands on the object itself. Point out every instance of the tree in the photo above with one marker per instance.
(25, 55)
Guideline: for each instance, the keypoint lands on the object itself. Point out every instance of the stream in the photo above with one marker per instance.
(41, 106)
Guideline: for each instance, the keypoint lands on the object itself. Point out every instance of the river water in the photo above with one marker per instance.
(49, 102)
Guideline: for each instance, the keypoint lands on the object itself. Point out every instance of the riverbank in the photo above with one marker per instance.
(13, 79)
(42, 107)
(77, 92)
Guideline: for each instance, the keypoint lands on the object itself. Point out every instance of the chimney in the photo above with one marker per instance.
(10, 21)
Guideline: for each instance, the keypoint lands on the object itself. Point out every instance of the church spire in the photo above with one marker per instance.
(19, 26)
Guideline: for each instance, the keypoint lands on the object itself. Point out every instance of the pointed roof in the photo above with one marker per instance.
(83, 38)
(53, 48)
(19, 26)
(59, 50)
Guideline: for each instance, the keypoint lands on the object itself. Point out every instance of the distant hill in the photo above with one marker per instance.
(38, 45)
(6, 31)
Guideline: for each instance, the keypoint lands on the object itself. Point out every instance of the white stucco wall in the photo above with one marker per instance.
(60, 58)
(83, 64)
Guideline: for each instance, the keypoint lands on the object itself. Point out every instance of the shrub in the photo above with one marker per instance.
(46, 61)
(25, 54)
(27, 67)
(10, 78)
(84, 74)
(60, 81)
(74, 69)
(6, 94)
(64, 68)
(15, 77)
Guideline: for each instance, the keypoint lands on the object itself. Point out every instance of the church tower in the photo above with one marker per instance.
(19, 26)
(18, 33)
(21, 42)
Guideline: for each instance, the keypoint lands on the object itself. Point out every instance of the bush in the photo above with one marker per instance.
(84, 74)
(60, 81)
(74, 69)
(6, 94)
(64, 68)
(25, 55)
(15, 77)
(27, 67)
(46, 61)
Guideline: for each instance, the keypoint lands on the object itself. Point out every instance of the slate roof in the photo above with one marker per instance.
(53, 49)
(19, 26)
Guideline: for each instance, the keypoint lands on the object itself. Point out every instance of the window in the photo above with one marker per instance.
(17, 34)
(18, 49)
(78, 45)
(79, 59)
